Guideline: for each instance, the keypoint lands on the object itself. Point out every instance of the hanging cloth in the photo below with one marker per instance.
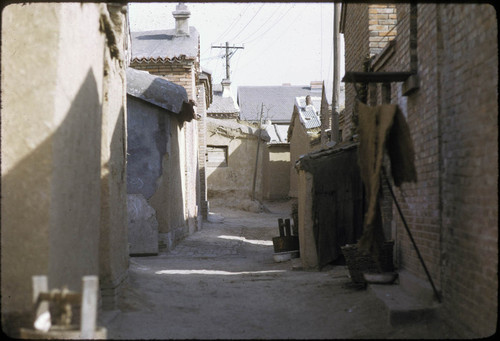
(378, 127)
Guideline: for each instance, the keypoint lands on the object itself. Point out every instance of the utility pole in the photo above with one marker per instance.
(258, 147)
(229, 54)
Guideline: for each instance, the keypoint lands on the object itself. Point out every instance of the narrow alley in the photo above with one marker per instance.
(223, 283)
(148, 155)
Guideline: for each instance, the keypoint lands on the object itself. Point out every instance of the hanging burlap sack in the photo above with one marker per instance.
(377, 126)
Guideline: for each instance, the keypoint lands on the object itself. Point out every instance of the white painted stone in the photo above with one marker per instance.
(142, 226)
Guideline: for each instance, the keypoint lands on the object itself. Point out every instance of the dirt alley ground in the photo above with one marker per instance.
(223, 283)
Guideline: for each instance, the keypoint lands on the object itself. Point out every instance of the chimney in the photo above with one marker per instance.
(181, 15)
(226, 88)
(308, 100)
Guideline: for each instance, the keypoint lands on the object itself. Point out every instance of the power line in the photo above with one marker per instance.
(237, 63)
(212, 57)
(234, 22)
(262, 25)
(272, 43)
(272, 26)
(228, 55)
(234, 38)
(231, 25)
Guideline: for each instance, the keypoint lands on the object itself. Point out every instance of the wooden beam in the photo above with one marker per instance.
(375, 77)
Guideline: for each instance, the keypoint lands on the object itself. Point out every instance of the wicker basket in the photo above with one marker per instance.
(358, 263)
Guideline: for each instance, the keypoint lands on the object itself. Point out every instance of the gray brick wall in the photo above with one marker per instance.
(452, 210)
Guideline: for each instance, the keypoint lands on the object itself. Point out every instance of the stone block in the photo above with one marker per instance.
(142, 226)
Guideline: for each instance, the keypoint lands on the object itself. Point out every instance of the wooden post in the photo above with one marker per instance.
(288, 231)
(40, 284)
(372, 93)
(281, 227)
(257, 157)
(386, 93)
(90, 286)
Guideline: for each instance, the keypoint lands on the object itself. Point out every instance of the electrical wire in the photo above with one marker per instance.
(231, 25)
(236, 64)
(262, 25)
(234, 38)
(272, 26)
(212, 57)
(272, 43)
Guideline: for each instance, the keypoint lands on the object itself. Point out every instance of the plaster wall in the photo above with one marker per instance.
(202, 150)
(192, 190)
(169, 198)
(148, 141)
(237, 177)
(113, 242)
(52, 114)
(185, 73)
(276, 171)
(307, 242)
(156, 166)
(300, 144)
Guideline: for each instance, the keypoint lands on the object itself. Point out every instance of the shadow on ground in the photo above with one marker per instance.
(223, 283)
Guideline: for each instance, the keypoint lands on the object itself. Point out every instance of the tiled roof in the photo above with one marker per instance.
(164, 45)
(277, 133)
(278, 101)
(156, 90)
(222, 105)
(309, 114)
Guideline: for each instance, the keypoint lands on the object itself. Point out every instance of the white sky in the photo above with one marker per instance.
(283, 42)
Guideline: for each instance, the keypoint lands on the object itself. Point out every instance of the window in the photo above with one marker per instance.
(217, 156)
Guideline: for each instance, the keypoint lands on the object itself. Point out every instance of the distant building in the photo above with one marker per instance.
(232, 149)
(304, 133)
(277, 101)
(223, 104)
